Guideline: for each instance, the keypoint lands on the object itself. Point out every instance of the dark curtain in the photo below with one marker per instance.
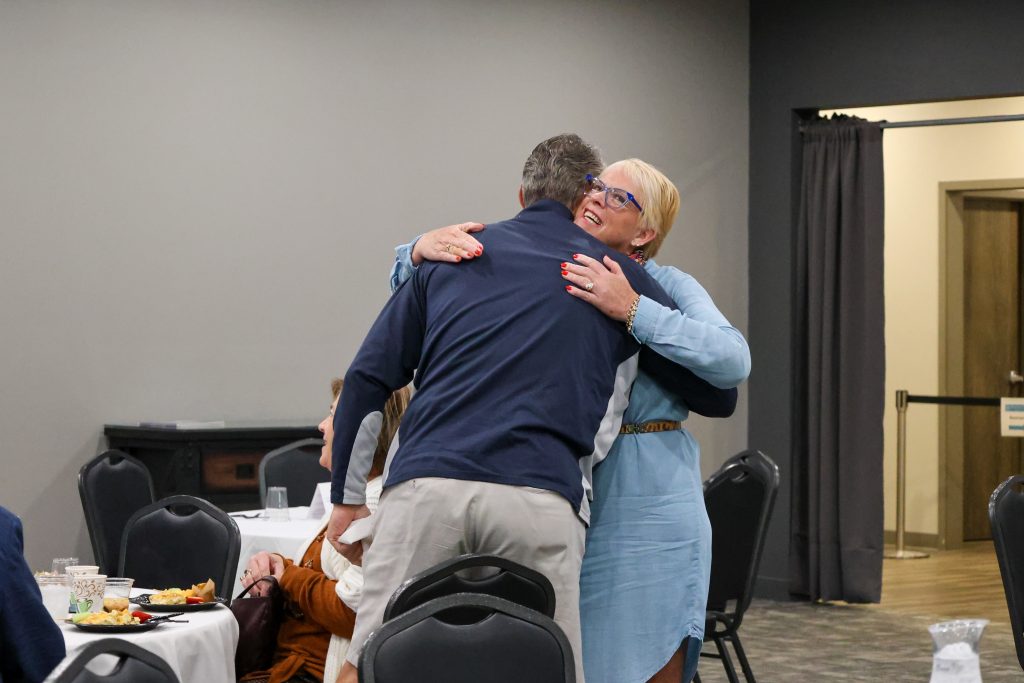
(837, 516)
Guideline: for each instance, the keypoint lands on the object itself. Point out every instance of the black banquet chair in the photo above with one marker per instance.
(739, 498)
(296, 466)
(179, 541)
(113, 485)
(472, 573)
(1006, 514)
(134, 665)
(507, 643)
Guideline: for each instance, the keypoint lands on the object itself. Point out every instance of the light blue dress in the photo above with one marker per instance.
(644, 582)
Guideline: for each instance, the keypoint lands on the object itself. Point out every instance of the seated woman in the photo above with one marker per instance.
(322, 589)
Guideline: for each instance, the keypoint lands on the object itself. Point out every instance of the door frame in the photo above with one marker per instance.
(951, 343)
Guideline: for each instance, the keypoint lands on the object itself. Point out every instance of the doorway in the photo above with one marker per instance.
(919, 163)
(982, 337)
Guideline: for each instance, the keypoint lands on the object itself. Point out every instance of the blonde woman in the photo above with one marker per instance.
(644, 583)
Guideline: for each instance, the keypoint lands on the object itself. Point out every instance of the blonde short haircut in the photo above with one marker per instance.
(659, 197)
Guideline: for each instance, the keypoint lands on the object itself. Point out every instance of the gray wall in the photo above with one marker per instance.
(841, 53)
(200, 199)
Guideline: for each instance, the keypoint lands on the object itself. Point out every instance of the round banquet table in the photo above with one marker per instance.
(201, 650)
(284, 538)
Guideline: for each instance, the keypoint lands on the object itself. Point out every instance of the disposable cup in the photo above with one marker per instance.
(87, 592)
(116, 593)
(54, 590)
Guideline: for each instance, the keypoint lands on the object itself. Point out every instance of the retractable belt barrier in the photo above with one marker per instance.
(903, 399)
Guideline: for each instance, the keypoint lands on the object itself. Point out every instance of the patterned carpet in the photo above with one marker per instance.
(802, 642)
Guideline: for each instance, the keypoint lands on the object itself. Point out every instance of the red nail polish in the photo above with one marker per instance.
(568, 288)
(479, 250)
(565, 272)
(575, 256)
(564, 265)
(458, 258)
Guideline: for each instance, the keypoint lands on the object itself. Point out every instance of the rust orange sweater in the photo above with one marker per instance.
(312, 613)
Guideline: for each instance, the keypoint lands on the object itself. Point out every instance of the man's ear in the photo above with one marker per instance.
(522, 203)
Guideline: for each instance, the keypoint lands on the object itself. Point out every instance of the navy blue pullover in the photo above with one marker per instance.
(517, 381)
(31, 644)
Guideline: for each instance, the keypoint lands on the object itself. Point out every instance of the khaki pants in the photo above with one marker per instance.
(422, 522)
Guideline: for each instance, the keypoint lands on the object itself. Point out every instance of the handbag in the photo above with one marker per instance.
(259, 619)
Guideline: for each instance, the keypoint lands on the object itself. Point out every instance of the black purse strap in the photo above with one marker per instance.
(271, 579)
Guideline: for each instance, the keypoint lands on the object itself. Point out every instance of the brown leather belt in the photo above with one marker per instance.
(653, 426)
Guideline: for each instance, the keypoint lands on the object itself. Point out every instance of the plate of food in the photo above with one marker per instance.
(195, 599)
(118, 621)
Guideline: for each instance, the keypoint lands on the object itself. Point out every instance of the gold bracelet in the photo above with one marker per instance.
(631, 315)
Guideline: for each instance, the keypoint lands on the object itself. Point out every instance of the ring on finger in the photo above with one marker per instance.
(589, 286)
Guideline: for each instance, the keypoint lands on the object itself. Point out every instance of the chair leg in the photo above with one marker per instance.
(748, 674)
(730, 670)
(696, 677)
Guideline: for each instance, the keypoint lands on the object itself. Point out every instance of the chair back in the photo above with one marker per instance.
(1006, 514)
(296, 466)
(134, 665)
(113, 485)
(506, 643)
(487, 574)
(179, 541)
(739, 499)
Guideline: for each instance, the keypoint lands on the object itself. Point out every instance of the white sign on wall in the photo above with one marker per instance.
(1011, 416)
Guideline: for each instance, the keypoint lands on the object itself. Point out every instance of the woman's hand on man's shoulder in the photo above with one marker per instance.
(451, 243)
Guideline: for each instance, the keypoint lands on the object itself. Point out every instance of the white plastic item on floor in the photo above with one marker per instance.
(955, 651)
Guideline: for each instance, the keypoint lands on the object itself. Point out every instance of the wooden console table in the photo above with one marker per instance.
(220, 464)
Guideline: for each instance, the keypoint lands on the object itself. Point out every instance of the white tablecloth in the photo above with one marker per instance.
(275, 537)
(201, 650)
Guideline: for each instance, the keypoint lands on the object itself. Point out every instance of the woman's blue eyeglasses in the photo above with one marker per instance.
(614, 197)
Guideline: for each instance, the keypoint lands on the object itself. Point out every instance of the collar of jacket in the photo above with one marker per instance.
(547, 205)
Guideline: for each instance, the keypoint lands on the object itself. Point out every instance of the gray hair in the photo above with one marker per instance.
(557, 169)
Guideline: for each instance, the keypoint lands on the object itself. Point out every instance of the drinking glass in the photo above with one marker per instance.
(59, 564)
(116, 593)
(54, 589)
(277, 504)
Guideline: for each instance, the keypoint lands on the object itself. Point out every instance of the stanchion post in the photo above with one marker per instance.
(902, 400)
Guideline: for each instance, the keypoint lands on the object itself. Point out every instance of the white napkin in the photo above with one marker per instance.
(357, 530)
(321, 502)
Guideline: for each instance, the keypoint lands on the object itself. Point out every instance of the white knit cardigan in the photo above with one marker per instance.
(349, 578)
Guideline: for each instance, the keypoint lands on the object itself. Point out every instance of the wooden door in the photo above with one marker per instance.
(992, 348)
